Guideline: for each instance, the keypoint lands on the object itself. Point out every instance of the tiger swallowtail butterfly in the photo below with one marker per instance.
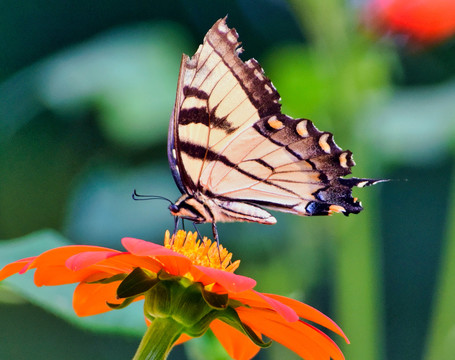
(232, 152)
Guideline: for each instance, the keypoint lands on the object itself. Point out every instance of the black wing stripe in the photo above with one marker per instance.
(249, 74)
(200, 152)
(194, 116)
(192, 91)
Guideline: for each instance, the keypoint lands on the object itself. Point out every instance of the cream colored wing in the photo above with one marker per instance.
(231, 150)
(285, 164)
(218, 96)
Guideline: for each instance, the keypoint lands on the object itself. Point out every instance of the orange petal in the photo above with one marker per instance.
(300, 337)
(90, 299)
(173, 262)
(147, 248)
(88, 258)
(183, 338)
(309, 313)
(51, 269)
(237, 345)
(19, 266)
(231, 282)
(258, 300)
(125, 263)
(178, 266)
(58, 256)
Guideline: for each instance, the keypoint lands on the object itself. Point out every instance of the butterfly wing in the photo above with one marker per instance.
(287, 165)
(213, 85)
(229, 142)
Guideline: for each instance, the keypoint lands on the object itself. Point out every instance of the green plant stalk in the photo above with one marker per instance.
(357, 283)
(158, 340)
(356, 274)
(441, 337)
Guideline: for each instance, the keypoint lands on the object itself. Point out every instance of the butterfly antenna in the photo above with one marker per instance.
(137, 196)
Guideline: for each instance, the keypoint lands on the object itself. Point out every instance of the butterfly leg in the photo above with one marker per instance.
(215, 234)
(176, 226)
(197, 231)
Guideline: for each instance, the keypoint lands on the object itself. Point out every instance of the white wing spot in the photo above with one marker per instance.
(250, 64)
(343, 160)
(362, 184)
(275, 123)
(174, 154)
(258, 74)
(352, 160)
(231, 37)
(324, 144)
(302, 129)
(268, 88)
(223, 28)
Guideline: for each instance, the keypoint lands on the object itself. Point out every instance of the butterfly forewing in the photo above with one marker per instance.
(231, 150)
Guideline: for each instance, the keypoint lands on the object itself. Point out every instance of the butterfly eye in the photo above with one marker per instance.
(173, 208)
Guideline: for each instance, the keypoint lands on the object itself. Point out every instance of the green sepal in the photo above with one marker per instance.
(214, 300)
(114, 278)
(190, 306)
(122, 305)
(236, 303)
(202, 325)
(163, 275)
(230, 317)
(158, 300)
(136, 283)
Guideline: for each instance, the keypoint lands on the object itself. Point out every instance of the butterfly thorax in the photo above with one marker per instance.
(201, 208)
(192, 207)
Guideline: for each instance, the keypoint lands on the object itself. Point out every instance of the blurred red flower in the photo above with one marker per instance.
(422, 22)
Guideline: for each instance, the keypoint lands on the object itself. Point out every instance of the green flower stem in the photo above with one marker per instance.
(441, 339)
(159, 339)
(344, 57)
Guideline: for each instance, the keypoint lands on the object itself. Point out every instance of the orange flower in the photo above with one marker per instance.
(422, 21)
(188, 286)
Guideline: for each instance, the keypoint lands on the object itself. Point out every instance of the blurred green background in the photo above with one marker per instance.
(86, 90)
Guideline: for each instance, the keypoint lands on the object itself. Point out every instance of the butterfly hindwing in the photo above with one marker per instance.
(284, 165)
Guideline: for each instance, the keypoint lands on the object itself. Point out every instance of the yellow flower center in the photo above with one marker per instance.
(204, 253)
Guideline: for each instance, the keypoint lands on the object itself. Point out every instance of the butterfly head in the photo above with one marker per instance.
(187, 207)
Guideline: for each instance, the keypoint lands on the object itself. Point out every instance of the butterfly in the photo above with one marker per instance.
(233, 153)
